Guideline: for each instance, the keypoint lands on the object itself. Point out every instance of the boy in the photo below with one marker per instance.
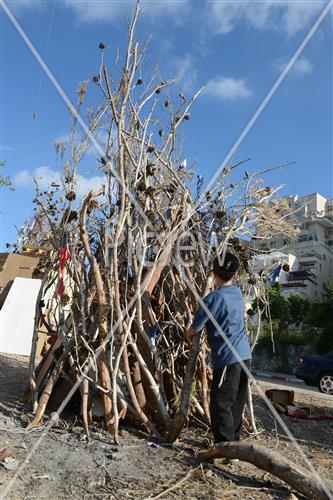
(230, 382)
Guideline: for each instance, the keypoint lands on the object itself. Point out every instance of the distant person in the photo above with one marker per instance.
(230, 382)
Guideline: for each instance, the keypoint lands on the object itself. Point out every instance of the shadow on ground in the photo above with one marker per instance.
(13, 377)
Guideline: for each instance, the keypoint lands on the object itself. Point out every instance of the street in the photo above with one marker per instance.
(291, 383)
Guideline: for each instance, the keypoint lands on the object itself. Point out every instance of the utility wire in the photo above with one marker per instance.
(41, 81)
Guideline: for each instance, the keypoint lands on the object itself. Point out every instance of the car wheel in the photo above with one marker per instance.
(325, 383)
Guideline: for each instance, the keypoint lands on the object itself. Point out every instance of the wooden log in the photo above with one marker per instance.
(45, 365)
(151, 386)
(140, 413)
(85, 395)
(204, 384)
(250, 410)
(40, 372)
(137, 381)
(47, 393)
(180, 419)
(101, 299)
(270, 461)
(32, 374)
(106, 397)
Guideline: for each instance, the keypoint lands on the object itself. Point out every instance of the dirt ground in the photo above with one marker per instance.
(59, 463)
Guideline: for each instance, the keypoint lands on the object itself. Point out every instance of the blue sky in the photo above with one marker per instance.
(236, 49)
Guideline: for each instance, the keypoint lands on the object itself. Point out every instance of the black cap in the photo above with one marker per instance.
(228, 264)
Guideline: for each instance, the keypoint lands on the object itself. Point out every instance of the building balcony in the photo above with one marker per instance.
(309, 245)
(301, 276)
(296, 284)
(310, 258)
(306, 238)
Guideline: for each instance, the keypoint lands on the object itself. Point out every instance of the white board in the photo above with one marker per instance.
(17, 316)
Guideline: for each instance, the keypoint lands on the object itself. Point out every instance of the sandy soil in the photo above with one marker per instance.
(61, 464)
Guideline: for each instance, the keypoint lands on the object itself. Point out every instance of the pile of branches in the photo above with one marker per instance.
(128, 262)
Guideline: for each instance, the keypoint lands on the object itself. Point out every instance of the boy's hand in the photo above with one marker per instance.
(189, 334)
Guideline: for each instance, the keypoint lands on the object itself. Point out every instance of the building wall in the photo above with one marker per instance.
(329, 208)
(313, 246)
(13, 266)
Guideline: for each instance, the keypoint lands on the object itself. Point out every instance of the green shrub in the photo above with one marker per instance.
(264, 341)
(298, 309)
(295, 338)
(325, 342)
(286, 338)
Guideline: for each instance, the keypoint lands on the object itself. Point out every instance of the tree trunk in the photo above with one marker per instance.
(298, 478)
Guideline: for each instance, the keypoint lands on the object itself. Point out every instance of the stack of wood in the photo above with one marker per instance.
(129, 261)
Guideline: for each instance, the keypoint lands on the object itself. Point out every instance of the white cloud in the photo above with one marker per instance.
(106, 11)
(90, 11)
(227, 88)
(227, 14)
(297, 15)
(23, 178)
(23, 3)
(289, 16)
(18, 6)
(99, 11)
(172, 8)
(3, 147)
(101, 136)
(45, 176)
(185, 70)
(301, 67)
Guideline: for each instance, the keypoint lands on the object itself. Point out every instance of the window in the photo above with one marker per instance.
(324, 256)
(302, 237)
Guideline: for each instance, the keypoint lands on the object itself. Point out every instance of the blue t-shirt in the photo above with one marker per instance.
(226, 305)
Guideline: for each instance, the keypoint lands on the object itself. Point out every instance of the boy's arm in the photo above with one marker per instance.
(199, 321)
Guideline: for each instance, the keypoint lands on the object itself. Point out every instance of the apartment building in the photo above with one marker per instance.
(312, 248)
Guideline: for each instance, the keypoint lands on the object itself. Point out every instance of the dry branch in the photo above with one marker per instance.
(300, 479)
